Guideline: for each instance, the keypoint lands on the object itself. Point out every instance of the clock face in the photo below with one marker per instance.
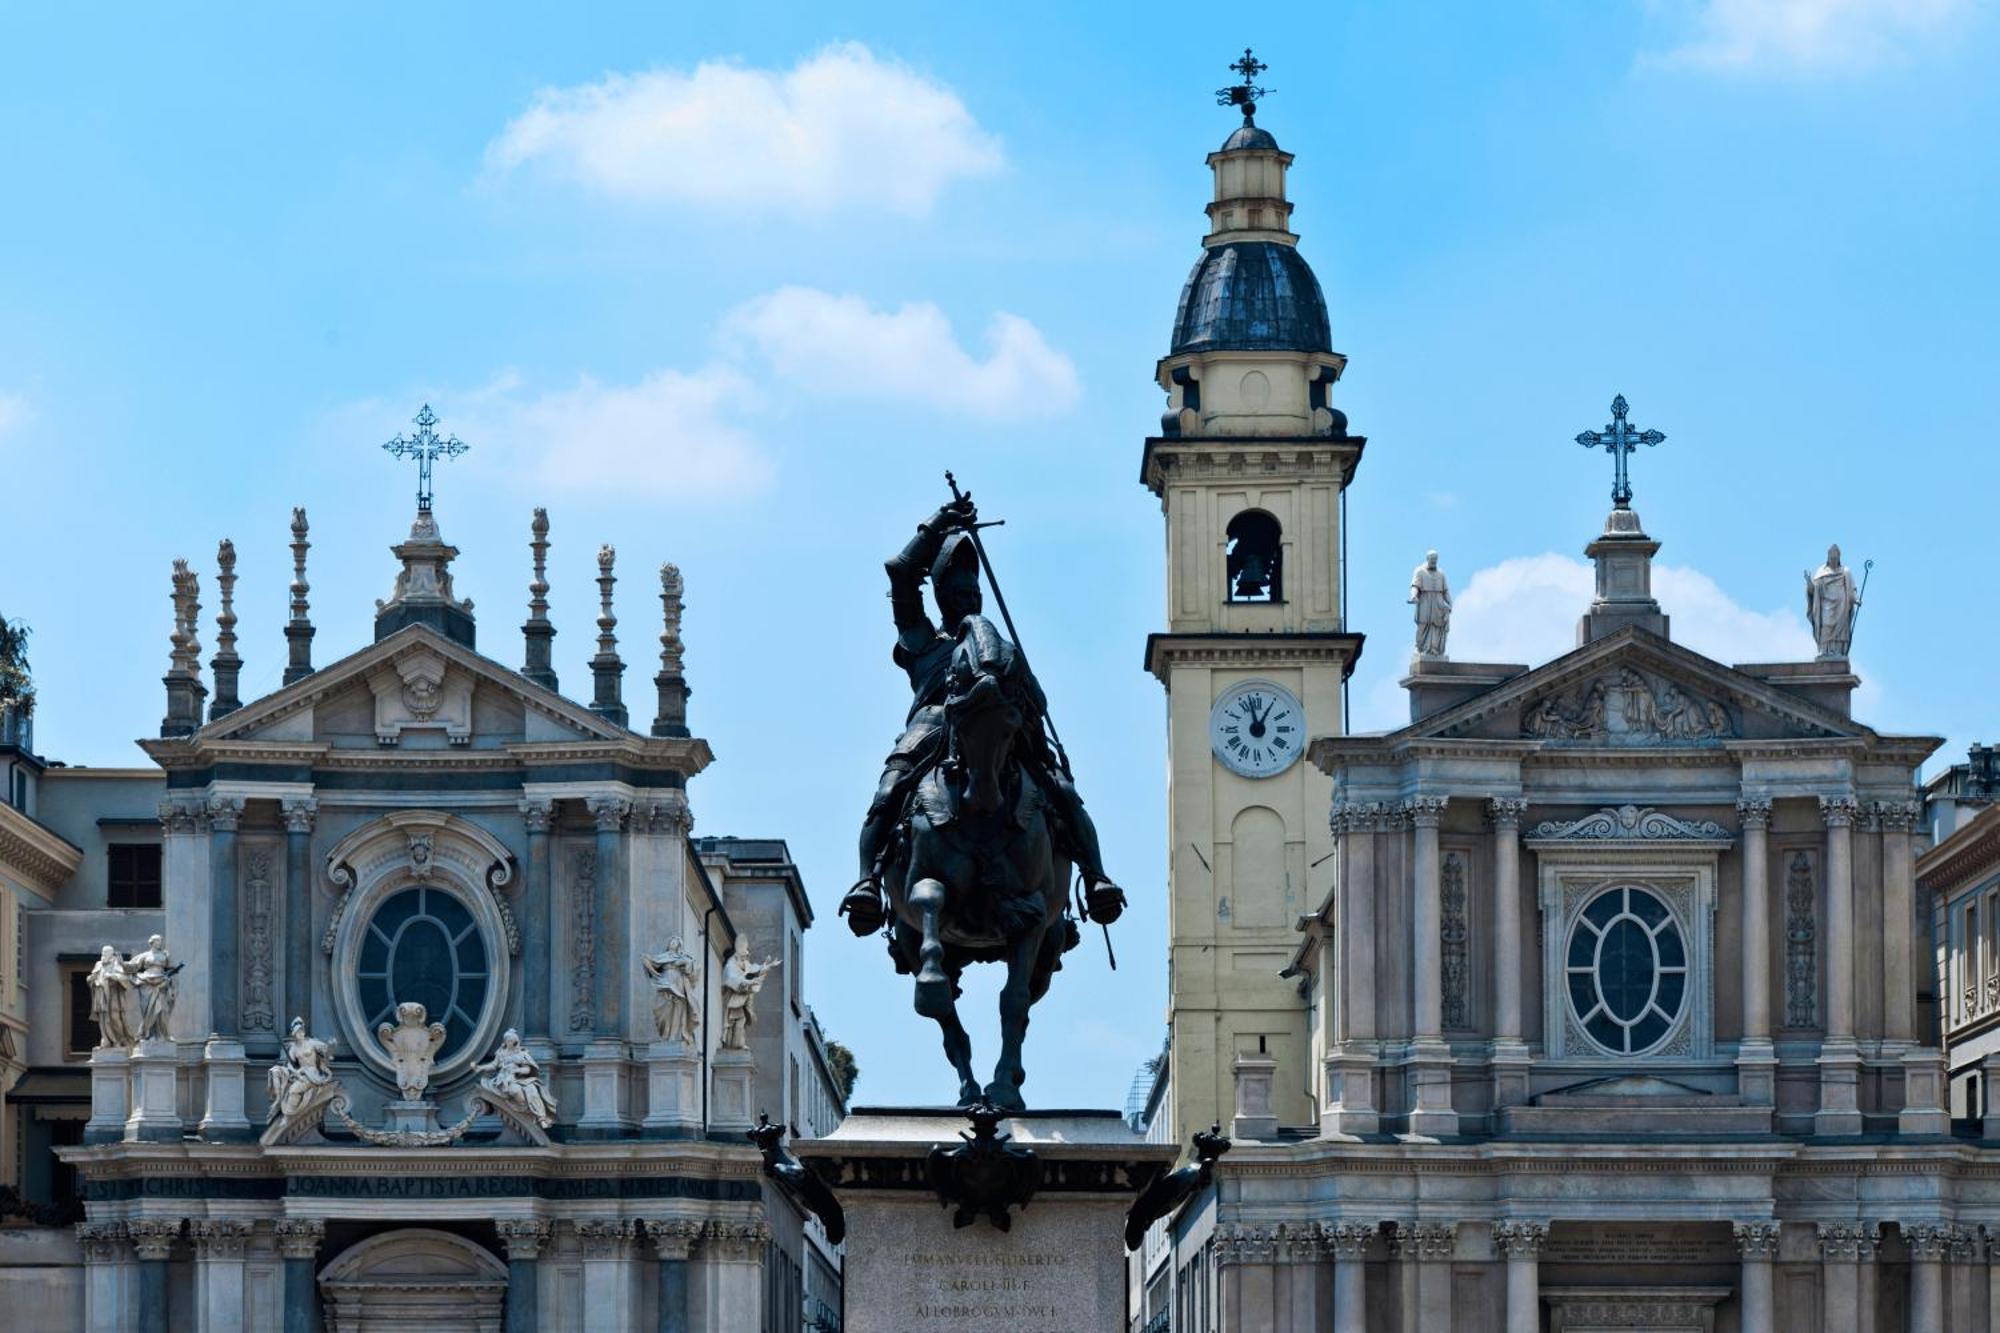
(1257, 729)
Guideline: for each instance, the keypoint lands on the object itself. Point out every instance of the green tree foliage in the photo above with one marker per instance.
(845, 1069)
(17, 684)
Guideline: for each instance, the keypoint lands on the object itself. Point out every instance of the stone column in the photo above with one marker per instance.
(1993, 1281)
(1929, 1242)
(153, 1239)
(1839, 1061)
(218, 1273)
(298, 1244)
(610, 1297)
(538, 927)
(108, 1298)
(1350, 1061)
(1510, 1052)
(1349, 1243)
(1960, 1297)
(1899, 914)
(1431, 1113)
(1521, 1244)
(727, 1291)
(1840, 1246)
(613, 944)
(673, 1238)
(1435, 1244)
(1757, 1242)
(224, 981)
(524, 1238)
(1756, 1058)
(299, 932)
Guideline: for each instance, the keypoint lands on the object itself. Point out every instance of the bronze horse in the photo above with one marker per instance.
(976, 876)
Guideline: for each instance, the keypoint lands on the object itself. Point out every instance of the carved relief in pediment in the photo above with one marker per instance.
(1627, 707)
(421, 691)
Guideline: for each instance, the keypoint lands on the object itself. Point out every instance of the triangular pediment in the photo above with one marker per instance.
(1635, 689)
(415, 687)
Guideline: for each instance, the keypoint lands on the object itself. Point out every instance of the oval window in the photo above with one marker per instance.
(423, 945)
(1627, 970)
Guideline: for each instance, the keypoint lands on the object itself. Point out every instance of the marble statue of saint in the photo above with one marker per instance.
(110, 1000)
(412, 1045)
(674, 991)
(741, 980)
(513, 1076)
(303, 1074)
(152, 971)
(1431, 595)
(1831, 601)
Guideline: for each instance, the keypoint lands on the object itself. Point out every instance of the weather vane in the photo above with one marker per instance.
(426, 448)
(1246, 93)
(1619, 439)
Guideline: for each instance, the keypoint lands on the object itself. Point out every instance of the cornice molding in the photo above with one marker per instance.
(45, 860)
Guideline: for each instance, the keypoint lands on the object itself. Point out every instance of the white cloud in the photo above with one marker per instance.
(1810, 35)
(674, 435)
(841, 345)
(842, 129)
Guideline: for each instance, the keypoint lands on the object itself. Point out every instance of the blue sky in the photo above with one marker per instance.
(731, 286)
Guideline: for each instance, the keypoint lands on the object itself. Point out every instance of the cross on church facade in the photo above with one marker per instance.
(426, 448)
(1619, 438)
(1246, 93)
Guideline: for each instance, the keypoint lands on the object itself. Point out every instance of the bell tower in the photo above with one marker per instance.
(1250, 465)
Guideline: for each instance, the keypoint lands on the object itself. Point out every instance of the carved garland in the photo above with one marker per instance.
(583, 943)
(1454, 935)
(257, 1006)
(1629, 821)
(1801, 944)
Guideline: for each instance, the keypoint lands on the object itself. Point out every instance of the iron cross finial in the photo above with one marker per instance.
(1619, 439)
(1246, 93)
(424, 446)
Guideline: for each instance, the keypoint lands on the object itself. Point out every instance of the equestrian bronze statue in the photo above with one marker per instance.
(975, 823)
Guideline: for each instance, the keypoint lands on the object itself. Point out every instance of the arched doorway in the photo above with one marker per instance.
(414, 1281)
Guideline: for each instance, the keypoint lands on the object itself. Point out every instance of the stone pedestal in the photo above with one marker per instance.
(673, 1091)
(1431, 1113)
(604, 1101)
(410, 1117)
(734, 1075)
(156, 1116)
(1061, 1264)
(1254, 1118)
(1923, 1093)
(110, 1094)
(1839, 1089)
(1757, 1072)
(1350, 1081)
(223, 1119)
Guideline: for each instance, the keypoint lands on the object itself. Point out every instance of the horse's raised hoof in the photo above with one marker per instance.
(1004, 1096)
(933, 997)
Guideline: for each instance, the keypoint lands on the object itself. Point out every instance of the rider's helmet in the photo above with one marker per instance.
(955, 578)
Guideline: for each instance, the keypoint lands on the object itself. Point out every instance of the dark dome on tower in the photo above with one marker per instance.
(1251, 296)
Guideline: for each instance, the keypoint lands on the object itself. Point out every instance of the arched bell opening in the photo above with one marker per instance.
(1255, 551)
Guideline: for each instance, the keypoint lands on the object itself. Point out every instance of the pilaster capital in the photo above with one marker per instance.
(154, 1237)
(300, 813)
(1898, 816)
(666, 813)
(538, 813)
(1348, 1240)
(1757, 1240)
(1306, 1244)
(524, 1237)
(1506, 812)
(1838, 811)
(224, 813)
(1965, 1246)
(300, 1237)
(1428, 1241)
(1846, 1240)
(102, 1242)
(743, 1242)
(1347, 817)
(219, 1238)
(1928, 1240)
(609, 812)
(184, 814)
(673, 1237)
(1754, 812)
(1425, 811)
(1245, 1245)
(1520, 1240)
(606, 1237)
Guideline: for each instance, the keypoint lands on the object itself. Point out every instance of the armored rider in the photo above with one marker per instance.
(943, 549)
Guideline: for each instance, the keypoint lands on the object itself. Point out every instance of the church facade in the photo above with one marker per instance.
(405, 996)
(1600, 995)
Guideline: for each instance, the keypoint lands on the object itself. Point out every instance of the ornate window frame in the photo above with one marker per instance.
(1676, 861)
(410, 849)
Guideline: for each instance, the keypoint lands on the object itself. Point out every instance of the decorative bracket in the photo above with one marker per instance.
(985, 1176)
